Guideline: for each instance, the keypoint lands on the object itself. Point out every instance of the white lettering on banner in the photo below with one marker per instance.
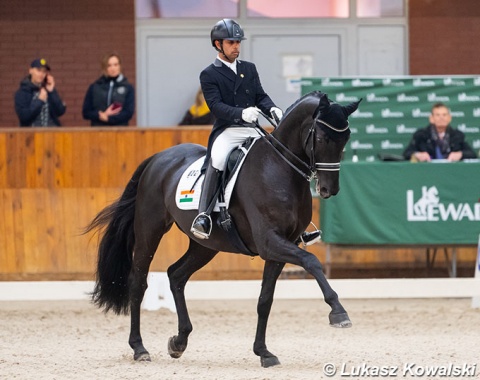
(417, 112)
(374, 98)
(476, 144)
(401, 128)
(457, 114)
(330, 83)
(429, 209)
(353, 130)
(465, 129)
(387, 113)
(371, 129)
(453, 82)
(358, 145)
(386, 144)
(341, 97)
(433, 97)
(476, 112)
(363, 115)
(463, 97)
(476, 81)
(370, 158)
(407, 98)
(389, 82)
(362, 83)
(423, 83)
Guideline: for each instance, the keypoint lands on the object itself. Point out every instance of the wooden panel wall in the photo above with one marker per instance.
(54, 181)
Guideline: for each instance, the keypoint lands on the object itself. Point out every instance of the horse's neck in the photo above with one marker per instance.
(289, 133)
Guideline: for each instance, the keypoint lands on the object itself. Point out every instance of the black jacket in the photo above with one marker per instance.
(228, 94)
(28, 106)
(96, 100)
(422, 142)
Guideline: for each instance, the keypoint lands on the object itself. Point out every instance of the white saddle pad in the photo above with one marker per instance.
(188, 198)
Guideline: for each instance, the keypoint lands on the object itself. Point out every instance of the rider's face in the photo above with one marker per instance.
(231, 49)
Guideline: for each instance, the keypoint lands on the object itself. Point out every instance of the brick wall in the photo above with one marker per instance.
(444, 37)
(72, 36)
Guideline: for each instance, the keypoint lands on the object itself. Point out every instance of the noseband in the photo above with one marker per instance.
(325, 166)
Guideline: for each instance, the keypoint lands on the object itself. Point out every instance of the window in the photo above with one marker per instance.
(380, 8)
(186, 8)
(298, 8)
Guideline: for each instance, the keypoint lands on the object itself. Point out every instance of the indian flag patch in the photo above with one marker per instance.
(186, 196)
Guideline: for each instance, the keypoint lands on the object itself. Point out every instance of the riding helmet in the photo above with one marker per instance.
(226, 29)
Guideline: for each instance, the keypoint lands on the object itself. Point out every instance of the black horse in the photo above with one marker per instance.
(271, 205)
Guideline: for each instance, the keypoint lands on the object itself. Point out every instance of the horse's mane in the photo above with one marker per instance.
(315, 94)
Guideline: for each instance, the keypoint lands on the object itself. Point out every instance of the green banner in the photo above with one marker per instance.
(404, 203)
(394, 108)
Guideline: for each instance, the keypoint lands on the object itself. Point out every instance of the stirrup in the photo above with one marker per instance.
(309, 238)
(201, 234)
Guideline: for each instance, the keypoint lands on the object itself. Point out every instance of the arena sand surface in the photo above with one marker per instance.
(73, 340)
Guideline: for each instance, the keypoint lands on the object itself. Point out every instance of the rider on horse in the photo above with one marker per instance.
(233, 92)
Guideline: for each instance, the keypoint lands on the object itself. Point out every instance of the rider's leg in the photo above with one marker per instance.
(223, 144)
(202, 224)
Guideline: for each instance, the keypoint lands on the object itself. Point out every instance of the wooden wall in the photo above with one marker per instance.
(54, 181)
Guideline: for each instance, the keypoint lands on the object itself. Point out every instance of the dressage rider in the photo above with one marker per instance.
(233, 92)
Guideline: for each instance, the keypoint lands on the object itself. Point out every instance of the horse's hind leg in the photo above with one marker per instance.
(147, 239)
(271, 272)
(195, 258)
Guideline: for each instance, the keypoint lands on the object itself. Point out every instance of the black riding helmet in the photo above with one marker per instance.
(226, 29)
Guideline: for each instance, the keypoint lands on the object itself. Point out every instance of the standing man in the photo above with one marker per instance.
(438, 140)
(37, 102)
(233, 92)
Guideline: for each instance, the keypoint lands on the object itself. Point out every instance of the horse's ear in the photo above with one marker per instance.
(324, 103)
(351, 108)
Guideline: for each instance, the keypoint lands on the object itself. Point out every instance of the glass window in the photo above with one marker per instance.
(186, 8)
(298, 8)
(380, 8)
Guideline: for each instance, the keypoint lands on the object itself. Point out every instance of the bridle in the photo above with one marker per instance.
(307, 171)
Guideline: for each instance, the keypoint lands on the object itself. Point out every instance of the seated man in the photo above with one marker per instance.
(439, 140)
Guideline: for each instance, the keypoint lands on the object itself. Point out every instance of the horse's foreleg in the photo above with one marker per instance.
(195, 258)
(271, 271)
(287, 252)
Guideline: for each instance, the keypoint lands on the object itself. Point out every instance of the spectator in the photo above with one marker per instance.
(198, 113)
(110, 100)
(439, 140)
(37, 102)
(233, 92)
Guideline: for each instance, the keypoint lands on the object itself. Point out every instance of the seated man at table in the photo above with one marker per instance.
(439, 140)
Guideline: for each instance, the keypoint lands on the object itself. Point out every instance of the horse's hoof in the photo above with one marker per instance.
(340, 320)
(142, 357)
(173, 351)
(269, 361)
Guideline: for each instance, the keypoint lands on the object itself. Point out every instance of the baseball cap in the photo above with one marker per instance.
(40, 62)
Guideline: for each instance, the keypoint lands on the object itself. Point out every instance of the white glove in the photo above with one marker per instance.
(250, 114)
(276, 111)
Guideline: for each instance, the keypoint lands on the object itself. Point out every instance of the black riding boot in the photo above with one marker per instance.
(202, 224)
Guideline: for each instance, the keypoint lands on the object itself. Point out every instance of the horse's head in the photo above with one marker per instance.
(325, 142)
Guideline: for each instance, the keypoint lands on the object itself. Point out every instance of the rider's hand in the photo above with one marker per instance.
(276, 111)
(250, 114)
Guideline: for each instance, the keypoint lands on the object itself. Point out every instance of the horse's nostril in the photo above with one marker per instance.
(324, 193)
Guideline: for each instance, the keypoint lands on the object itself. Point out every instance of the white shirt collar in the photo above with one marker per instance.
(232, 65)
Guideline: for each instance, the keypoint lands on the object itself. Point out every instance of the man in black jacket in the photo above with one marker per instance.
(233, 92)
(37, 102)
(438, 140)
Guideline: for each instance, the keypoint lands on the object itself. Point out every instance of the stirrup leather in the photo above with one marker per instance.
(200, 234)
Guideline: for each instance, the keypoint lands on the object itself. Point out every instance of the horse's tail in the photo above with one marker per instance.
(115, 250)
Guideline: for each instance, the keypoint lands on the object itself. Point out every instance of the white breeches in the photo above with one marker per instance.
(230, 138)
